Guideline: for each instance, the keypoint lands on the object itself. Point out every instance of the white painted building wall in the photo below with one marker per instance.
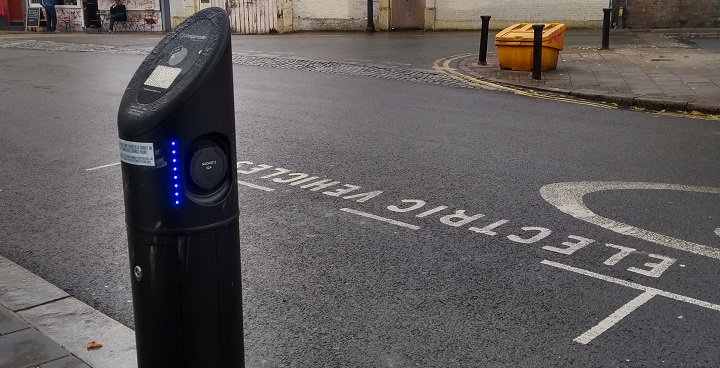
(331, 15)
(181, 9)
(465, 14)
(263, 16)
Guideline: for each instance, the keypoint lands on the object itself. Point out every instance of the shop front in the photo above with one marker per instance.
(142, 15)
(78, 15)
(11, 13)
(70, 15)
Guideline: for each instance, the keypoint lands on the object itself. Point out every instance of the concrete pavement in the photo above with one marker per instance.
(23, 346)
(670, 71)
(42, 326)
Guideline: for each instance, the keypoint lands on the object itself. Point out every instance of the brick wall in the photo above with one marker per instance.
(672, 13)
(465, 14)
(331, 15)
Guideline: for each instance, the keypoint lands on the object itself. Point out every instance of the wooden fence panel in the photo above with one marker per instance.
(254, 16)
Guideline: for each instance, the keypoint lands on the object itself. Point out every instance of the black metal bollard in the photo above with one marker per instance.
(176, 125)
(370, 17)
(606, 28)
(537, 51)
(484, 39)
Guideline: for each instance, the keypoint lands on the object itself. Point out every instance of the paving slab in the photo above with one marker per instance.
(20, 289)
(28, 347)
(663, 74)
(41, 326)
(67, 362)
(9, 322)
(76, 324)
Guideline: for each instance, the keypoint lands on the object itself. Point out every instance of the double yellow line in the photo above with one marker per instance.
(443, 66)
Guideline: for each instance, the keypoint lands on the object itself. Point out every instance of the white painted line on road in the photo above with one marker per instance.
(379, 218)
(358, 59)
(568, 197)
(633, 285)
(102, 167)
(626, 309)
(597, 275)
(251, 185)
(614, 318)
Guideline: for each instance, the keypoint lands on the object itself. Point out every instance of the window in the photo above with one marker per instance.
(57, 2)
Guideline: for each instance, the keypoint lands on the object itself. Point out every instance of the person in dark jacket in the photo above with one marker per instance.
(117, 13)
(51, 21)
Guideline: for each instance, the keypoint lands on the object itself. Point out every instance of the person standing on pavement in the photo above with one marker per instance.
(117, 13)
(51, 21)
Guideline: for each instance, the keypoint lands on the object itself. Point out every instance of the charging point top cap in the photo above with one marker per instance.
(173, 71)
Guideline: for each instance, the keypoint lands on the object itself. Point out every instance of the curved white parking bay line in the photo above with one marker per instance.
(568, 197)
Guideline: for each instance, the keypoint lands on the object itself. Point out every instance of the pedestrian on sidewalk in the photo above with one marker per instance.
(118, 13)
(51, 21)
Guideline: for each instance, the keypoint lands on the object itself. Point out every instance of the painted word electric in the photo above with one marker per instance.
(654, 264)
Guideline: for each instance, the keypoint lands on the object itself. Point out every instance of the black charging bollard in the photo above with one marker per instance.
(484, 39)
(537, 51)
(176, 124)
(606, 28)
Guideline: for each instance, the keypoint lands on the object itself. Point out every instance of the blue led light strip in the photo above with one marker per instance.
(175, 174)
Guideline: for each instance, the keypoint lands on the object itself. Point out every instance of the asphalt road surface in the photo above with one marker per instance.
(488, 229)
(408, 50)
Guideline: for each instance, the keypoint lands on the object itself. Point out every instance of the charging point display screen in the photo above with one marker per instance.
(162, 76)
(174, 61)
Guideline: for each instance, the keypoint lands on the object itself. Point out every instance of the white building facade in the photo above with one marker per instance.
(281, 16)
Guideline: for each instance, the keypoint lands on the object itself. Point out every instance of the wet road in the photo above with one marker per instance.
(454, 234)
(409, 50)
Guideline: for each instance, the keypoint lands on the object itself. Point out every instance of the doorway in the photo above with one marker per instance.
(255, 16)
(407, 14)
(15, 13)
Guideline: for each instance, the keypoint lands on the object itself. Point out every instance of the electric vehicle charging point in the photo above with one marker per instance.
(176, 126)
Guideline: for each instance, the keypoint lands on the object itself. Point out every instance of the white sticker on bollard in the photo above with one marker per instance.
(137, 153)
